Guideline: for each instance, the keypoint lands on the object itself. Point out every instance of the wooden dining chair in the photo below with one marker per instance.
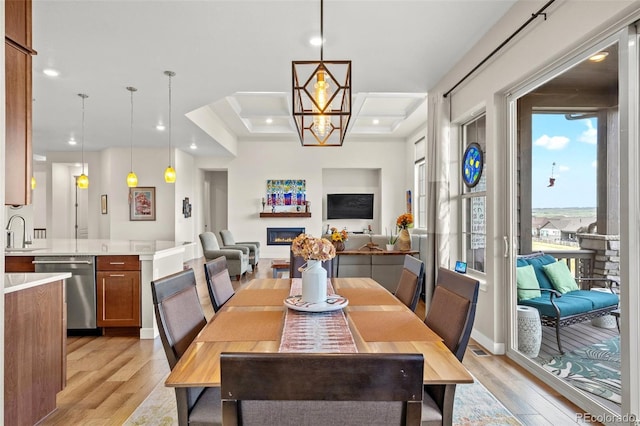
(451, 316)
(410, 283)
(218, 282)
(287, 389)
(180, 318)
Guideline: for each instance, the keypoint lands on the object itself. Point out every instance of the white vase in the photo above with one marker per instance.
(314, 282)
(390, 247)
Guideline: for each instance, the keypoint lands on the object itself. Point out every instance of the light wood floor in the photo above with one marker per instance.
(108, 377)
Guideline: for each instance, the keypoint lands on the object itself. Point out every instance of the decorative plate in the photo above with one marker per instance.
(333, 303)
(472, 163)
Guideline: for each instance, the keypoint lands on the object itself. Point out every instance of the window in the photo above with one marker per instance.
(420, 173)
(474, 201)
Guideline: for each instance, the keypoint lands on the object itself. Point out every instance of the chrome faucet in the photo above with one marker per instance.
(10, 239)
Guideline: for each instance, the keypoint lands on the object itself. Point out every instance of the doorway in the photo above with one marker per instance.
(216, 200)
(566, 203)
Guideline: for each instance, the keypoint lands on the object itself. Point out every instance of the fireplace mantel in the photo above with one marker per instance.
(285, 214)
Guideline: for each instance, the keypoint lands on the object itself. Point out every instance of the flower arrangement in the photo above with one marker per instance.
(339, 235)
(405, 221)
(312, 248)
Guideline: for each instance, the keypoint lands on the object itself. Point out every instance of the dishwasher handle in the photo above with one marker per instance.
(62, 262)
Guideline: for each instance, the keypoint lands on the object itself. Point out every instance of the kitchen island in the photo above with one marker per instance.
(156, 259)
(35, 345)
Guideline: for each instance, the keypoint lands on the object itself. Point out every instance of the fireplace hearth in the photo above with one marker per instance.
(282, 236)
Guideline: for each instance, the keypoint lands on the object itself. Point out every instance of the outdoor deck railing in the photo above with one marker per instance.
(580, 261)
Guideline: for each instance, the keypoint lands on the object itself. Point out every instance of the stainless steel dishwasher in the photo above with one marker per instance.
(81, 287)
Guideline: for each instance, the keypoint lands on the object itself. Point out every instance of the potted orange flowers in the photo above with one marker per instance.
(338, 238)
(404, 222)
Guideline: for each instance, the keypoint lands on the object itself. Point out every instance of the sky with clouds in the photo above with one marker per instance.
(571, 145)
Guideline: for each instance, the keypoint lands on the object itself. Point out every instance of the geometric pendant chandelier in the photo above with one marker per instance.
(321, 101)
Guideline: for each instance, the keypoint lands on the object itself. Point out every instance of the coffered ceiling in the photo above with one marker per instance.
(232, 61)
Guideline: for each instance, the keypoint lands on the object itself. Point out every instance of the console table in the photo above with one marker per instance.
(370, 252)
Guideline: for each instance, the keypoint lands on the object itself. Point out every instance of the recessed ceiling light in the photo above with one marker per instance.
(599, 57)
(376, 121)
(193, 145)
(315, 41)
(160, 127)
(72, 141)
(269, 120)
(51, 72)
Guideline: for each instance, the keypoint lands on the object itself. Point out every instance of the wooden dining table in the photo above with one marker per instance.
(254, 318)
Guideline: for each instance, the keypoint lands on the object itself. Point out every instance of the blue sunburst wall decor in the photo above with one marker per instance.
(472, 163)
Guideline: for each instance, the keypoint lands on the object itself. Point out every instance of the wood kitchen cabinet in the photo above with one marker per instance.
(19, 264)
(118, 291)
(34, 352)
(18, 102)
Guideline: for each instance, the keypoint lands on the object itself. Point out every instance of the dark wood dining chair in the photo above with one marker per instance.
(218, 282)
(321, 389)
(410, 283)
(180, 318)
(451, 316)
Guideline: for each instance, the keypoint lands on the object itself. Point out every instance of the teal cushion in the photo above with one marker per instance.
(568, 305)
(560, 276)
(598, 299)
(537, 263)
(526, 278)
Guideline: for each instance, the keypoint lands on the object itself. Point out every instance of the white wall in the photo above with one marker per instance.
(353, 181)
(149, 165)
(185, 227)
(259, 161)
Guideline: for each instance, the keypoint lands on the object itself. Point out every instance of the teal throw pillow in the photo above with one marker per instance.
(560, 276)
(526, 278)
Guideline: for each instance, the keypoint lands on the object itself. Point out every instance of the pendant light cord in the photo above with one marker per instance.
(83, 97)
(82, 146)
(170, 126)
(321, 30)
(131, 89)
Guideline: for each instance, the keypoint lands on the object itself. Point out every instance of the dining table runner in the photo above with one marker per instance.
(315, 331)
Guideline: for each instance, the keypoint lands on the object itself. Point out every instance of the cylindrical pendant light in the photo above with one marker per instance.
(83, 180)
(132, 179)
(170, 172)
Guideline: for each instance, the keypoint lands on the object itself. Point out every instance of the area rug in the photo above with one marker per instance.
(474, 405)
(594, 369)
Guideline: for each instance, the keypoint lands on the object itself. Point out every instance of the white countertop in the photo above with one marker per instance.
(23, 280)
(90, 247)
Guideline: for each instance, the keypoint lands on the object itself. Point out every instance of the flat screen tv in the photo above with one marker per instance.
(349, 206)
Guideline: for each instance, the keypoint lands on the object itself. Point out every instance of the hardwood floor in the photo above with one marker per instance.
(108, 377)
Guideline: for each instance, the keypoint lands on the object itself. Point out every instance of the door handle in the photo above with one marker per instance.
(506, 246)
(116, 275)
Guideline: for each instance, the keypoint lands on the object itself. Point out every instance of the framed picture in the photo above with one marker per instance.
(103, 204)
(186, 207)
(142, 203)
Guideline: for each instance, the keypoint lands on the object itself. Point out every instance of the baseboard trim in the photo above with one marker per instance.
(148, 333)
(487, 343)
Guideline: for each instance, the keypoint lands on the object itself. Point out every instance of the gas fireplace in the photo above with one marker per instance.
(282, 236)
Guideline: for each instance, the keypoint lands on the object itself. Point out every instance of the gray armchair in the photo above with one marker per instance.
(237, 257)
(254, 246)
